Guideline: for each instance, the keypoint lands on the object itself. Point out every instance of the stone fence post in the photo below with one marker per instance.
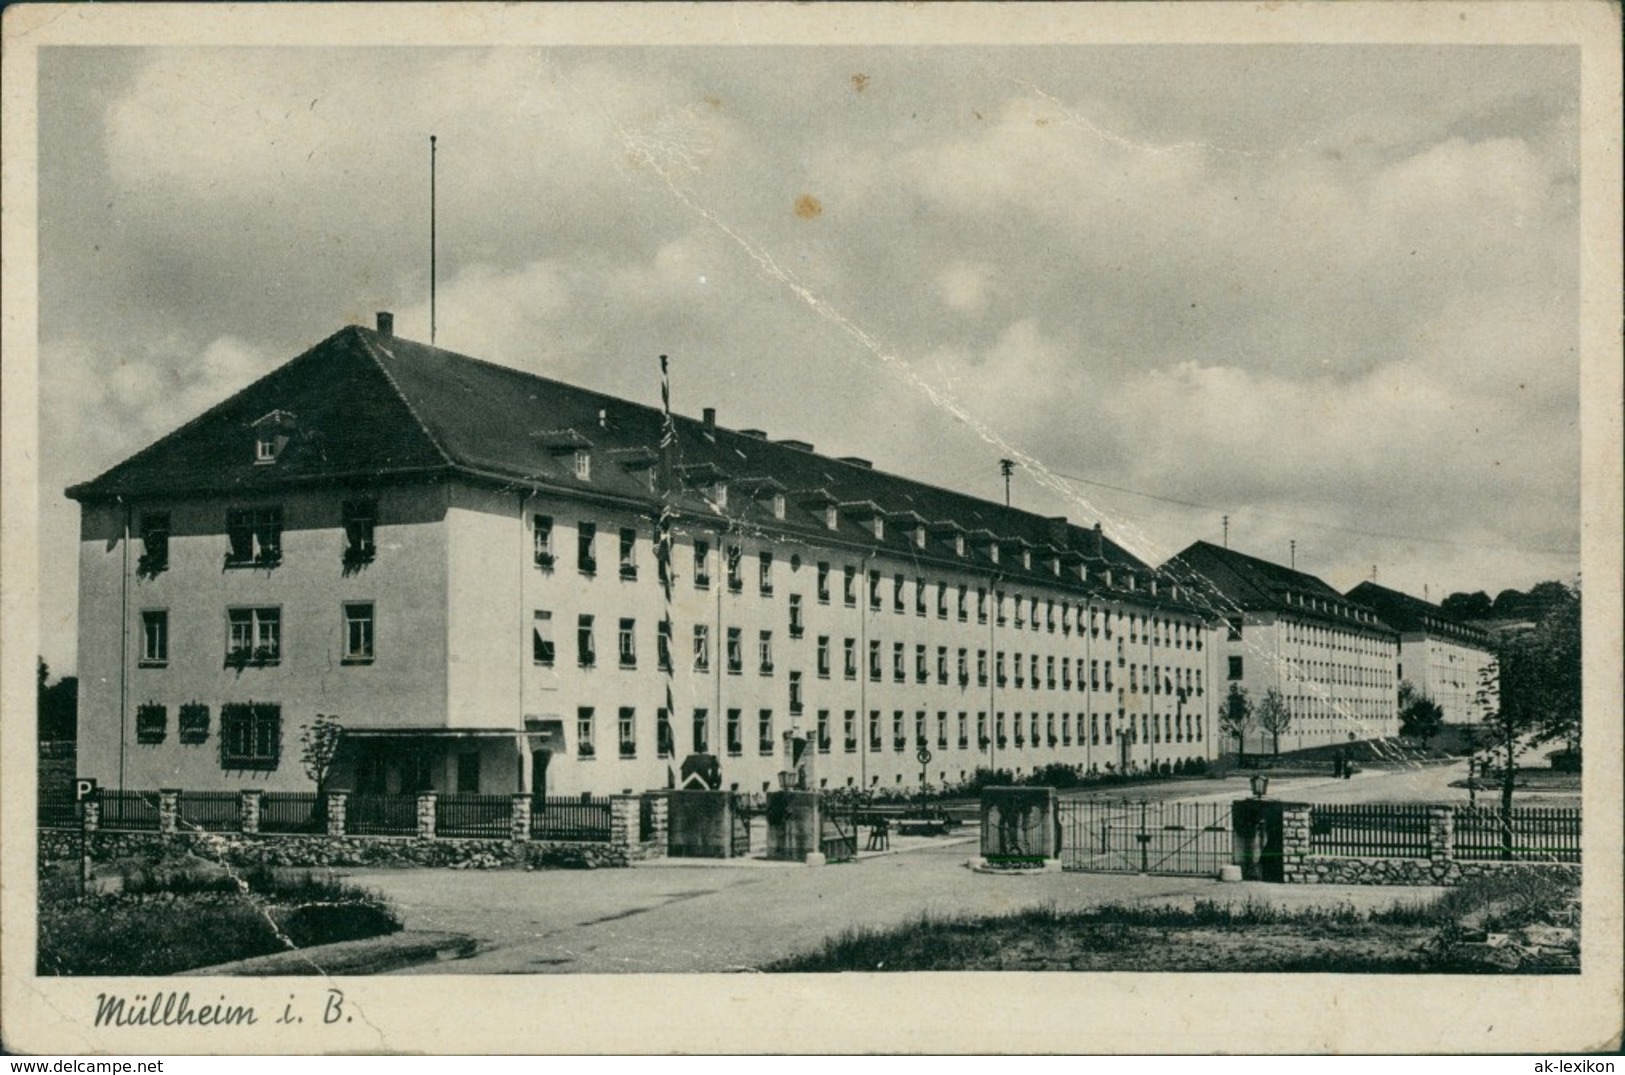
(248, 810)
(93, 813)
(336, 801)
(623, 821)
(169, 810)
(426, 801)
(1441, 833)
(1295, 840)
(519, 821)
(659, 807)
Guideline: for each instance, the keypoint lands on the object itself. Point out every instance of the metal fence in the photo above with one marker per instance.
(466, 814)
(1135, 836)
(1370, 830)
(381, 815)
(291, 811)
(556, 817)
(1524, 833)
(130, 810)
(57, 807)
(208, 811)
(839, 838)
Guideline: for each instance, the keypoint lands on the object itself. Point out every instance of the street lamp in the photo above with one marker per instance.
(1260, 784)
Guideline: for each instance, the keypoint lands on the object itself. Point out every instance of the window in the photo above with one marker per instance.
(702, 647)
(736, 581)
(586, 561)
(898, 672)
(964, 735)
(701, 731)
(919, 597)
(849, 731)
(585, 748)
(1017, 663)
(193, 723)
(1233, 628)
(823, 582)
(1016, 603)
(849, 586)
(1049, 672)
(874, 660)
(255, 537)
(796, 626)
(874, 729)
(823, 656)
(921, 672)
(629, 553)
(626, 732)
(1235, 668)
(897, 593)
(541, 540)
(823, 731)
(151, 723)
(255, 637)
(964, 667)
(998, 608)
(764, 731)
(898, 741)
(702, 565)
(764, 573)
(360, 525)
(942, 730)
(663, 645)
(795, 692)
(764, 651)
(981, 730)
(586, 655)
(155, 638)
(942, 600)
(981, 667)
(981, 604)
(942, 664)
(736, 651)
(154, 544)
(358, 632)
(626, 643)
(250, 736)
(583, 464)
(874, 590)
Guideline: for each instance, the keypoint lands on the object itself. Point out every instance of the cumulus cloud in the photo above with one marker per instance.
(1330, 292)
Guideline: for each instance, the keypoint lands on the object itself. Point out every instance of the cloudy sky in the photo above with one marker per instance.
(1329, 291)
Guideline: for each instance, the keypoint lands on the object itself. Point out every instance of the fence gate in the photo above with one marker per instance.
(1123, 836)
(839, 841)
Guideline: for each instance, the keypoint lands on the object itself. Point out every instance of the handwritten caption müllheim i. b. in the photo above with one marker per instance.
(176, 1009)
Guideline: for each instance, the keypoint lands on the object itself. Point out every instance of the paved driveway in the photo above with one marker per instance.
(677, 916)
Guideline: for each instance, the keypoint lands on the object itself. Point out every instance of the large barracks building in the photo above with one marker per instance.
(457, 561)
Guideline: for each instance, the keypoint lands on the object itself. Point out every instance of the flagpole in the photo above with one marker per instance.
(663, 553)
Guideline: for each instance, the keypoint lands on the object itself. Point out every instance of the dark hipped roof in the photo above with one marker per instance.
(368, 408)
(1235, 581)
(1412, 615)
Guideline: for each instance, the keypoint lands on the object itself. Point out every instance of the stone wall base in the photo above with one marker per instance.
(239, 849)
(1318, 870)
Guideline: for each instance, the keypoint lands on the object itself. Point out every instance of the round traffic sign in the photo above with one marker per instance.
(924, 756)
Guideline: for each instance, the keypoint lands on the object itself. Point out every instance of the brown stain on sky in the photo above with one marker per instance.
(808, 207)
(860, 82)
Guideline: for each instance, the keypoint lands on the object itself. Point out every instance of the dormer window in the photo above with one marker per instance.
(778, 505)
(719, 496)
(880, 528)
(832, 517)
(1026, 559)
(993, 553)
(271, 435)
(919, 537)
(583, 464)
(959, 544)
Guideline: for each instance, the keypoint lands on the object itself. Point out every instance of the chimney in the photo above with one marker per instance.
(386, 323)
(710, 420)
(1059, 532)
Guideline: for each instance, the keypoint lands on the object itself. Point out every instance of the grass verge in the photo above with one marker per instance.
(164, 921)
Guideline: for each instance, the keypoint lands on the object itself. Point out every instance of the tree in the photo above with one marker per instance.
(1530, 693)
(1274, 716)
(1468, 606)
(318, 746)
(1236, 718)
(58, 705)
(1420, 717)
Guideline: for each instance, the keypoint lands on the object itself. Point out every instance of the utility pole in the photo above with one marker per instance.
(432, 266)
(1006, 467)
(1294, 554)
(1227, 531)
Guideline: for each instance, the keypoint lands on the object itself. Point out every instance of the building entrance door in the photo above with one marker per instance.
(538, 772)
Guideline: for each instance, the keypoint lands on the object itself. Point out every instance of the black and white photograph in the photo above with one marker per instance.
(941, 510)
